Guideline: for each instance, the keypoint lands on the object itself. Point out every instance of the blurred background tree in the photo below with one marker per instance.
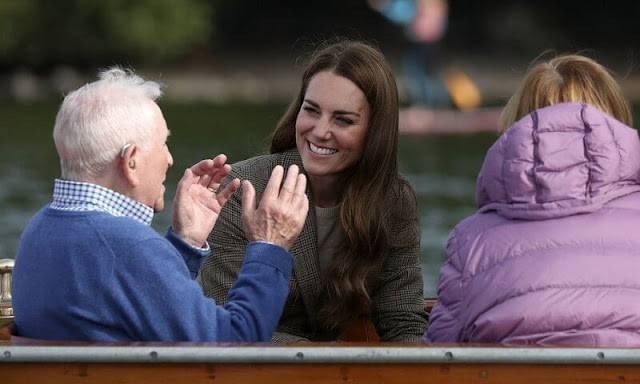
(41, 33)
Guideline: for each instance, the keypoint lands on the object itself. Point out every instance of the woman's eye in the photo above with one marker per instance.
(344, 121)
(310, 109)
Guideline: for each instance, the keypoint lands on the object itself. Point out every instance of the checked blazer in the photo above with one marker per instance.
(398, 302)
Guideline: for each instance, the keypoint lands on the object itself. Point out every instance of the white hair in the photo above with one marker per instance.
(97, 120)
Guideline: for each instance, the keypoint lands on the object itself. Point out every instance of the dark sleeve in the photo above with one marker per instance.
(228, 242)
(284, 338)
(399, 313)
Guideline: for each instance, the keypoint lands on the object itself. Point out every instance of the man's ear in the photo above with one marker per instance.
(129, 159)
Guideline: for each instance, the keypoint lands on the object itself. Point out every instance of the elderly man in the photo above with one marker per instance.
(89, 267)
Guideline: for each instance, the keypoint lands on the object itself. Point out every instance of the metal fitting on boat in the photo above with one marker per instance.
(6, 309)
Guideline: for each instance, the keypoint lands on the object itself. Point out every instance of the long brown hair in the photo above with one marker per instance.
(562, 79)
(375, 198)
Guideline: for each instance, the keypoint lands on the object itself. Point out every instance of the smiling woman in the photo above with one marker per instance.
(358, 253)
(330, 132)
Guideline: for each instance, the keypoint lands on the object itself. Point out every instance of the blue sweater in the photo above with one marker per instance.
(94, 276)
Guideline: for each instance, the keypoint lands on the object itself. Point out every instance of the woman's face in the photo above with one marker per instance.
(331, 126)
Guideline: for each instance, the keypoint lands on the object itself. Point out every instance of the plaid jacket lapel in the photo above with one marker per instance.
(305, 252)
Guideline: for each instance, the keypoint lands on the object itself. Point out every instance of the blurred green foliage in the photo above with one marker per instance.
(40, 33)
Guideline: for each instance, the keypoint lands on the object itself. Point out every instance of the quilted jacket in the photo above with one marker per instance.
(553, 254)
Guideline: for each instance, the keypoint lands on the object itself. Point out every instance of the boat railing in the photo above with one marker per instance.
(23, 350)
(53, 362)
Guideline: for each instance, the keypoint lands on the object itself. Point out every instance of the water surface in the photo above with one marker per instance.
(442, 169)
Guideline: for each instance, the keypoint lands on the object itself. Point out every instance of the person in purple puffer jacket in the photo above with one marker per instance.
(552, 256)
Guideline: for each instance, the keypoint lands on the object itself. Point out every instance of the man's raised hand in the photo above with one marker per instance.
(198, 200)
(282, 211)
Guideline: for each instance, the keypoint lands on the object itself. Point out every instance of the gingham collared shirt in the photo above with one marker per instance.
(79, 196)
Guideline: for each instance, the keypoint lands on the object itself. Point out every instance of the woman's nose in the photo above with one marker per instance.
(322, 129)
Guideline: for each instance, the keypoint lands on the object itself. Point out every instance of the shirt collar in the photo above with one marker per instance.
(80, 196)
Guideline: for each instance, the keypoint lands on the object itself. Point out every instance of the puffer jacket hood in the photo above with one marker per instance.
(558, 161)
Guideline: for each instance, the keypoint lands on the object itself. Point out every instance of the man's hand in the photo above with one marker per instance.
(198, 202)
(280, 216)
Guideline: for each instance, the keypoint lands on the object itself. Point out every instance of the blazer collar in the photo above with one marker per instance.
(305, 252)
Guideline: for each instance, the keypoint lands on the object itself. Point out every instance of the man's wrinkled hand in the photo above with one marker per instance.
(198, 200)
(282, 211)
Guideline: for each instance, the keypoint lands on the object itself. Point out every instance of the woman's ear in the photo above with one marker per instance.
(128, 165)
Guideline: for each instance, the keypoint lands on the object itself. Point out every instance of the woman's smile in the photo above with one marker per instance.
(319, 150)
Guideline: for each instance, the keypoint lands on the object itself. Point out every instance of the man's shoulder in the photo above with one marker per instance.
(60, 233)
(132, 241)
(102, 224)
(123, 229)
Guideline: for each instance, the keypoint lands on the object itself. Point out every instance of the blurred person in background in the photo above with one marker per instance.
(549, 258)
(425, 24)
(430, 93)
(358, 254)
(89, 266)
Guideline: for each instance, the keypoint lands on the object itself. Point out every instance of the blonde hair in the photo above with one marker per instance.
(566, 78)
